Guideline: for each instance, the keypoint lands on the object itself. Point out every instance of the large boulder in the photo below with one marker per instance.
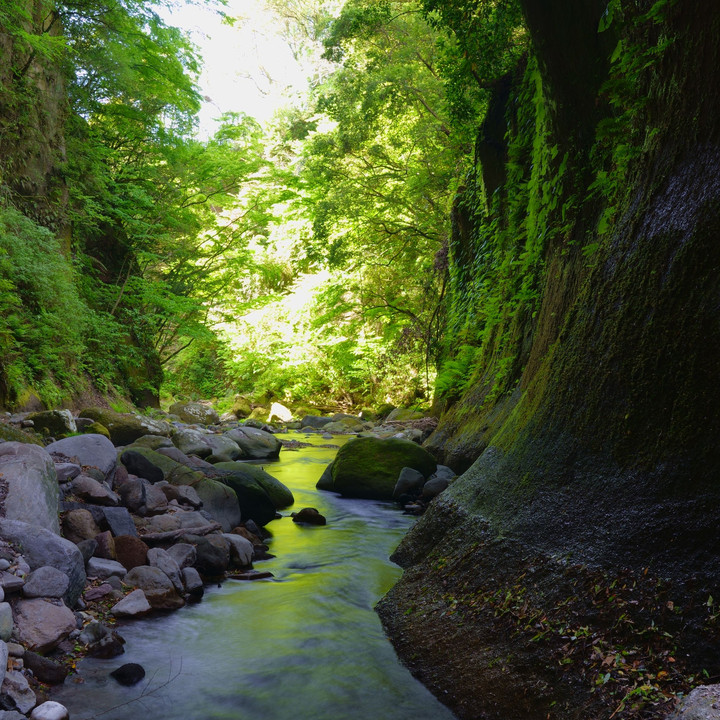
(41, 625)
(191, 442)
(279, 493)
(157, 586)
(369, 467)
(56, 423)
(404, 415)
(255, 444)
(40, 547)
(195, 412)
(255, 502)
(29, 481)
(92, 450)
(242, 407)
(125, 428)
(223, 449)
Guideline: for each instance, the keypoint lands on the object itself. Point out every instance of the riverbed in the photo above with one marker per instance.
(305, 644)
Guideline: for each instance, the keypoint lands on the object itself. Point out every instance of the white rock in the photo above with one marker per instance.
(50, 711)
(134, 603)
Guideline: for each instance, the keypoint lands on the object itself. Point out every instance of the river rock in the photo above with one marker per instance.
(10, 714)
(46, 581)
(66, 471)
(410, 482)
(50, 710)
(156, 501)
(128, 674)
(44, 669)
(119, 521)
(103, 568)
(55, 423)
(133, 604)
(125, 428)
(138, 464)
(79, 525)
(213, 554)
(224, 449)
(193, 583)
(92, 491)
(99, 592)
(42, 547)
(87, 548)
(4, 654)
(157, 586)
(346, 424)
(369, 467)
(255, 444)
(183, 554)
(41, 625)
(159, 558)
(6, 621)
(91, 450)
(130, 551)
(191, 442)
(279, 494)
(105, 546)
(131, 491)
(279, 412)
(29, 481)
(433, 487)
(309, 516)
(252, 497)
(315, 421)
(241, 549)
(195, 412)
(15, 685)
(154, 442)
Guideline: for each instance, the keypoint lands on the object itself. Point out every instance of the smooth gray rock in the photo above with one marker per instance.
(224, 449)
(213, 553)
(132, 605)
(10, 582)
(195, 412)
(46, 581)
(16, 686)
(6, 622)
(193, 581)
(157, 586)
(92, 491)
(254, 443)
(32, 495)
(702, 703)
(119, 521)
(103, 569)
(183, 554)
(42, 547)
(93, 633)
(66, 471)
(315, 421)
(91, 450)
(433, 487)
(125, 428)
(132, 493)
(4, 653)
(40, 625)
(156, 501)
(188, 495)
(159, 558)
(50, 710)
(191, 442)
(12, 715)
(241, 549)
(410, 482)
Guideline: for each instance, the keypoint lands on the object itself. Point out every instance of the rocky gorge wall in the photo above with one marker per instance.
(569, 572)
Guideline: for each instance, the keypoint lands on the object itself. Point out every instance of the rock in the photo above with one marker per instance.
(156, 585)
(16, 686)
(42, 547)
(125, 428)
(242, 407)
(280, 412)
(159, 558)
(156, 501)
(10, 714)
(102, 568)
(133, 604)
(195, 412)
(87, 548)
(50, 710)
(213, 554)
(56, 423)
(46, 581)
(139, 465)
(252, 497)
(10, 583)
(345, 424)
(433, 487)
(41, 625)
(130, 551)
(253, 575)
(369, 467)
(279, 494)
(131, 490)
(154, 442)
(218, 500)
(92, 450)
(183, 554)
(99, 592)
(6, 621)
(409, 482)
(29, 482)
(128, 674)
(315, 421)
(92, 491)
(45, 670)
(119, 521)
(79, 525)
(4, 654)
(105, 546)
(310, 516)
(702, 703)
(241, 549)
(255, 444)
(66, 471)
(191, 442)
(224, 449)
(404, 415)
(193, 583)
(187, 495)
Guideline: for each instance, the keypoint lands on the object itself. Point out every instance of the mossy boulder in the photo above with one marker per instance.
(255, 444)
(255, 502)
(56, 423)
(242, 407)
(125, 428)
(404, 415)
(8, 433)
(259, 413)
(344, 424)
(369, 467)
(279, 493)
(195, 412)
(95, 428)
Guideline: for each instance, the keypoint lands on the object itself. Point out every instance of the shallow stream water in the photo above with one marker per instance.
(305, 645)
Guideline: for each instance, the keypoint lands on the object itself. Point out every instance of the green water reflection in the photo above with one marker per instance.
(306, 644)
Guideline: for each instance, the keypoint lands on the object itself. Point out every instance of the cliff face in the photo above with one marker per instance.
(569, 572)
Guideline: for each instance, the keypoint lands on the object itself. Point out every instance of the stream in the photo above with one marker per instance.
(305, 644)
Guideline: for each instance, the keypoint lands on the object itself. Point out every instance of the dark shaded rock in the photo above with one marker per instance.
(57, 423)
(79, 525)
(125, 428)
(213, 554)
(315, 421)
(433, 487)
(193, 583)
(105, 545)
(130, 551)
(409, 482)
(157, 586)
(119, 521)
(46, 581)
(141, 466)
(66, 471)
(45, 670)
(92, 491)
(310, 516)
(128, 674)
(41, 625)
(184, 554)
(87, 548)
(254, 501)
